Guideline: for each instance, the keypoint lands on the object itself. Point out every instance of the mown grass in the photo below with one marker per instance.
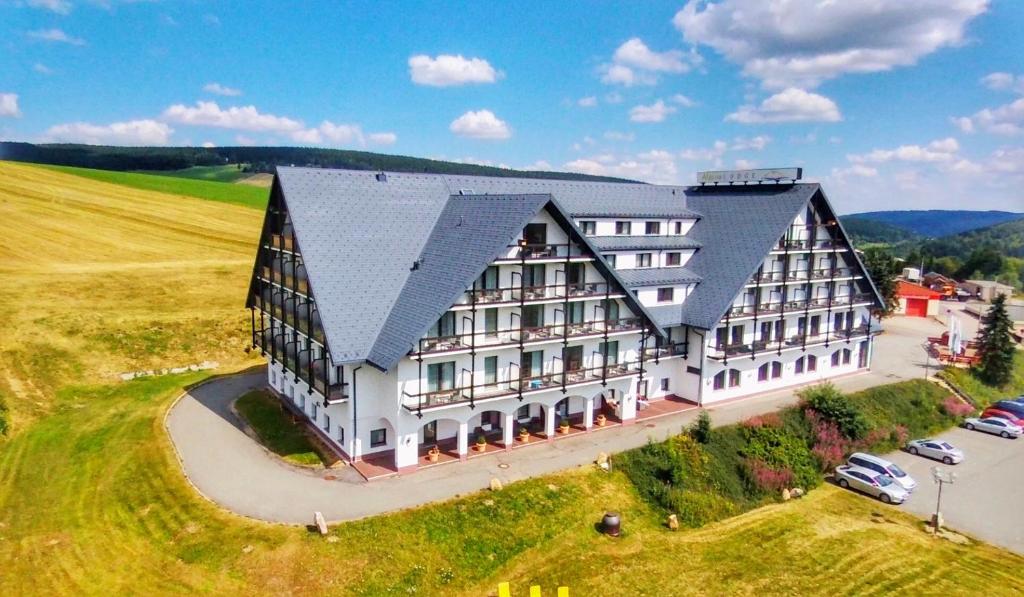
(212, 190)
(276, 428)
(982, 393)
(92, 500)
(225, 173)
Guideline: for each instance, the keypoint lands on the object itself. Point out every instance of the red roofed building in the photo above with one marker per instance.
(915, 300)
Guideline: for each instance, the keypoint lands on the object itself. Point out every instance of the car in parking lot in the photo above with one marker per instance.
(872, 483)
(994, 425)
(1010, 406)
(1003, 414)
(937, 449)
(882, 466)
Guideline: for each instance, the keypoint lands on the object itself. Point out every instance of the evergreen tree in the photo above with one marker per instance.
(883, 269)
(996, 345)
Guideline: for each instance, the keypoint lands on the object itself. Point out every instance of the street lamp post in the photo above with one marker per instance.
(942, 478)
(927, 358)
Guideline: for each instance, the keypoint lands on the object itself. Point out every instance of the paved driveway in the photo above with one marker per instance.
(985, 500)
(234, 471)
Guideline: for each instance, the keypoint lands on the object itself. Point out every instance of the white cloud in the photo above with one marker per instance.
(789, 105)
(619, 136)
(942, 150)
(56, 36)
(243, 118)
(61, 7)
(1004, 82)
(750, 143)
(219, 89)
(42, 69)
(617, 74)
(9, 105)
(447, 70)
(209, 144)
(633, 63)
(587, 102)
(1007, 119)
(656, 112)
(742, 164)
(713, 153)
(382, 138)
(134, 132)
(683, 101)
(655, 166)
(481, 124)
(856, 170)
(804, 42)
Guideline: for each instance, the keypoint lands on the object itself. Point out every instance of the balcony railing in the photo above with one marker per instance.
(557, 331)
(287, 280)
(526, 294)
(282, 241)
(794, 341)
(800, 275)
(528, 252)
(548, 381)
(664, 352)
(793, 306)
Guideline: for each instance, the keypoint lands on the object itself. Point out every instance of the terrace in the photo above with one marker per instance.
(526, 335)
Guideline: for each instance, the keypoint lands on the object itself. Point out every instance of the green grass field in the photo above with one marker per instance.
(225, 173)
(276, 429)
(198, 186)
(102, 278)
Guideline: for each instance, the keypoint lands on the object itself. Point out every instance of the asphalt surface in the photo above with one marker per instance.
(984, 500)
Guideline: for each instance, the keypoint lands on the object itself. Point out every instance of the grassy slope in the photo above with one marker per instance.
(93, 502)
(276, 429)
(246, 195)
(983, 394)
(226, 173)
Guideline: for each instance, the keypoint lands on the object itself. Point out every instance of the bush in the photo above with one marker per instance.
(768, 479)
(701, 428)
(955, 407)
(831, 404)
(780, 450)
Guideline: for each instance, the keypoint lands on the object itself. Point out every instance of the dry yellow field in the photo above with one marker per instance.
(100, 279)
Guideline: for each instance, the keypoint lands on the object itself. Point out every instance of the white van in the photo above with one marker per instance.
(883, 466)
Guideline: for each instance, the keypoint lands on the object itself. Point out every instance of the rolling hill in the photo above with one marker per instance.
(932, 223)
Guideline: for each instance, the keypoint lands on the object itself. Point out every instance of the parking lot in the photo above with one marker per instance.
(985, 499)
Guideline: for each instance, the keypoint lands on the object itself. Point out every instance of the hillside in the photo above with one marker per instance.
(260, 159)
(935, 223)
(865, 231)
(1006, 238)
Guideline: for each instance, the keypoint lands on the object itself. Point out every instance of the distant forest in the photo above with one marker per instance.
(258, 159)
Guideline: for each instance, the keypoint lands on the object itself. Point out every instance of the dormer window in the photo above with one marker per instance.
(622, 228)
(652, 228)
(678, 228)
(643, 260)
(588, 227)
(674, 258)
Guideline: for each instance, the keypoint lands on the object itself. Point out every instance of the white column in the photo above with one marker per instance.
(506, 430)
(351, 441)
(407, 450)
(463, 440)
(627, 408)
(549, 421)
(588, 413)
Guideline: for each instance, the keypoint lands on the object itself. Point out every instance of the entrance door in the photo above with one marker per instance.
(430, 433)
(573, 357)
(862, 358)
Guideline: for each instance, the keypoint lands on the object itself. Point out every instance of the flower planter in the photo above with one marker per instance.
(601, 420)
(479, 447)
(563, 429)
(433, 454)
(524, 436)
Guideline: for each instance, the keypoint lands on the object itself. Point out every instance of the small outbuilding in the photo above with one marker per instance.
(916, 300)
(986, 290)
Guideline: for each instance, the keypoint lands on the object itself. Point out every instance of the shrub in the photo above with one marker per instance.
(781, 450)
(701, 428)
(830, 445)
(830, 403)
(766, 478)
(955, 407)
(766, 420)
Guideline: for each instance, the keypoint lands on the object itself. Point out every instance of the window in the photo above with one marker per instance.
(800, 365)
(491, 370)
(327, 423)
(664, 384)
(302, 401)
(533, 316)
(673, 259)
(535, 234)
(489, 279)
(622, 228)
(678, 228)
(643, 260)
(378, 437)
(314, 413)
(721, 338)
(762, 372)
(444, 327)
(734, 378)
(491, 322)
(341, 434)
(835, 358)
(719, 380)
(737, 335)
(440, 376)
(776, 370)
(610, 350)
(589, 227)
(533, 364)
(812, 362)
(846, 356)
(665, 295)
(610, 258)
(523, 412)
(652, 228)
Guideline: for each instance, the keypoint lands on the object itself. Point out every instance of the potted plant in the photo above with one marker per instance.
(601, 420)
(433, 453)
(524, 434)
(481, 443)
(563, 426)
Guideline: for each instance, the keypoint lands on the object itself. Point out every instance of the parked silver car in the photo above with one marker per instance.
(882, 466)
(868, 481)
(994, 425)
(937, 449)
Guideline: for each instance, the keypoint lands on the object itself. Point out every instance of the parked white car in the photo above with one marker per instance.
(883, 467)
(872, 483)
(995, 426)
(937, 449)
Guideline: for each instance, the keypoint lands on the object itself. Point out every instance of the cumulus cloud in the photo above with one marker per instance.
(56, 36)
(61, 7)
(633, 63)
(789, 105)
(480, 124)
(587, 102)
(9, 105)
(218, 89)
(683, 101)
(801, 43)
(655, 166)
(656, 112)
(243, 118)
(750, 143)
(447, 70)
(1007, 119)
(713, 153)
(941, 150)
(1004, 82)
(134, 132)
(382, 138)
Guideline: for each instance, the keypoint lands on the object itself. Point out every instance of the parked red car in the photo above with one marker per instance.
(1002, 414)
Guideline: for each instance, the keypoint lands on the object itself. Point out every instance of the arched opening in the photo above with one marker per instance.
(439, 441)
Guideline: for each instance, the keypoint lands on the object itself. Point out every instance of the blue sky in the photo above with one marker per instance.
(910, 104)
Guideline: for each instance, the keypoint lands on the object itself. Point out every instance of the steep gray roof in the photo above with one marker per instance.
(653, 242)
(652, 276)
(738, 227)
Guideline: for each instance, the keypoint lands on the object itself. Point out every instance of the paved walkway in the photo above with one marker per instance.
(237, 473)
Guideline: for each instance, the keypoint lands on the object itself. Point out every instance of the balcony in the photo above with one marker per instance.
(798, 245)
(793, 342)
(665, 352)
(797, 306)
(504, 338)
(801, 276)
(531, 294)
(548, 381)
(542, 252)
(273, 275)
(280, 242)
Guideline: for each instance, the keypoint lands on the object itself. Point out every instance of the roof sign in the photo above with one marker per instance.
(750, 176)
